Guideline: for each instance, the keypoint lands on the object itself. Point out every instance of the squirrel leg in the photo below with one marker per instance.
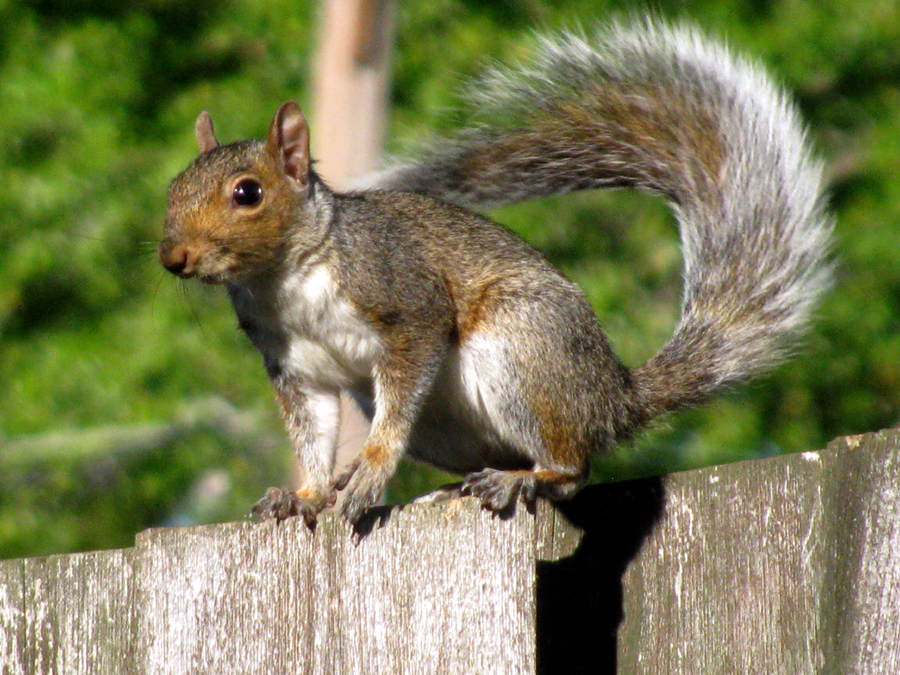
(366, 477)
(401, 384)
(312, 419)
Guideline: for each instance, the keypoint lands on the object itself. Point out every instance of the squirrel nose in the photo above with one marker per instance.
(179, 259)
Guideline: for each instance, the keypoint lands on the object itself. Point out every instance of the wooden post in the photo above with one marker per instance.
(352, 76)
(783, 565)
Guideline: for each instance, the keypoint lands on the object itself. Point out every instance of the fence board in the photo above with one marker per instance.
(12, 617)
(860, 613)
(785, 565)
(734, 562)
(429, 589)
(67, 614)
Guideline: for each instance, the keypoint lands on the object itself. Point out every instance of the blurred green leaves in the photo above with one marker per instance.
(97, 103)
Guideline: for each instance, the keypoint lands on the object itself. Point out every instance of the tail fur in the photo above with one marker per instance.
(661, 109)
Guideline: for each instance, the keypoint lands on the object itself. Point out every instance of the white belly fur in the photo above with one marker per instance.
(474, 414)
(309, 330)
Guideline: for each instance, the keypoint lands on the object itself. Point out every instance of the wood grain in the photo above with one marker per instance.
(426, 590)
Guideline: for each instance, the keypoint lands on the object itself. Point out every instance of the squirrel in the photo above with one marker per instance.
(461, 343)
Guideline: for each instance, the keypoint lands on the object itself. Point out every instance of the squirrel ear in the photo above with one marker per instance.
(288, 142)
(206, 136)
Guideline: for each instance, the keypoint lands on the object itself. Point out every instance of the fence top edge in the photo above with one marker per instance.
(555, 535)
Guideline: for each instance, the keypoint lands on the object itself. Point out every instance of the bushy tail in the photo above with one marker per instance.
(661, 109)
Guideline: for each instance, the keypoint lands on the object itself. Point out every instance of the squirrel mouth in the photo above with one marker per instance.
(191, 261)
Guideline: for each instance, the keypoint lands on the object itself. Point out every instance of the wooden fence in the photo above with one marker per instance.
(785, 565)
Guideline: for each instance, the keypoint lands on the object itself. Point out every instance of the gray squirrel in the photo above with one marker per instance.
(466, 348)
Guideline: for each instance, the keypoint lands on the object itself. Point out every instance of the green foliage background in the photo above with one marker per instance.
(109, 368)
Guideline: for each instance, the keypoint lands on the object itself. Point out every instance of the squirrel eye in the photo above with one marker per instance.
(247, 193)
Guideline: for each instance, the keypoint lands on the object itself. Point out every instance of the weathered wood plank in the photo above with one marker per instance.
(444, 590)
(12, 618)
(860, 610)
(67, 614)
(584, 548)
(222, 599)
(94, 606)
(787, 565)
(432, 590)
(728, 581)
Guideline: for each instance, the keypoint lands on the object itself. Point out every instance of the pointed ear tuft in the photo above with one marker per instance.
(288, 143)
(206, 136)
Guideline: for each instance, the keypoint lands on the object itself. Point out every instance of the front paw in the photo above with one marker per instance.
(278, 505)
(363, 484)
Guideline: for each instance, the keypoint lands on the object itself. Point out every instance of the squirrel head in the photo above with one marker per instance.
(234, 211)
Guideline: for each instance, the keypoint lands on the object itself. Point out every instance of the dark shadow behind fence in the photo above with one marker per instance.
(784, 565)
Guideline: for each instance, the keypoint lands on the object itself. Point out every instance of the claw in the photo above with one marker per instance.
(500, 490)
(279, 505)
(341, 481)
(364, 482)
